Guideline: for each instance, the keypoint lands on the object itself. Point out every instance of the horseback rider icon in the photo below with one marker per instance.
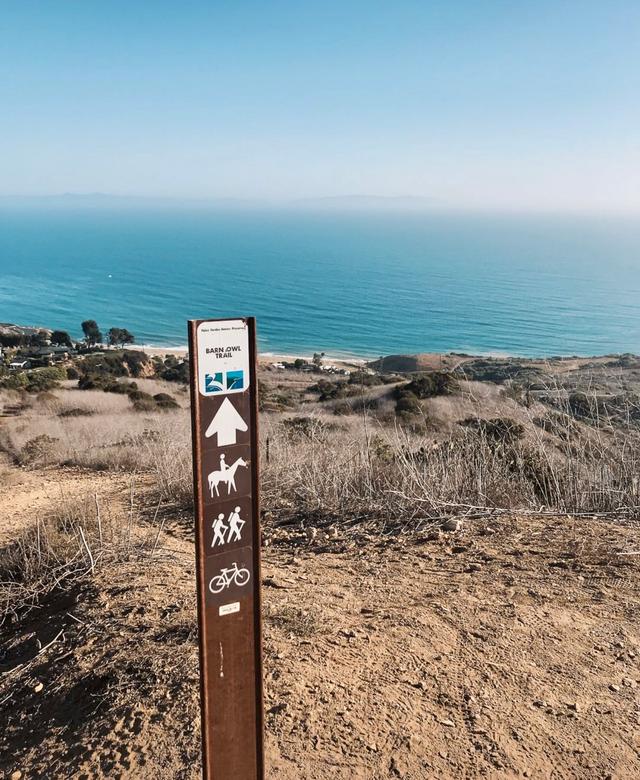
(225, 474)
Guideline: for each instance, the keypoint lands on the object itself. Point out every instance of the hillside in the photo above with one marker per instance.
(450, 572)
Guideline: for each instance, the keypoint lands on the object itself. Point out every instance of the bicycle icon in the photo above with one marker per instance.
(229, 576)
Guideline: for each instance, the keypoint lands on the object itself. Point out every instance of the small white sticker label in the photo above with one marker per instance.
(229, 609)
(223, 357)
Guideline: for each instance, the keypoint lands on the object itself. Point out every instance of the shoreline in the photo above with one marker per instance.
(275, 357)
(354, 359)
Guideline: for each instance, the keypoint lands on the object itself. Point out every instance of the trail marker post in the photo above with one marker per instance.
(224, 418)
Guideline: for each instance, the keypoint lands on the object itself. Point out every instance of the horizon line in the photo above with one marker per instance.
(353, 201)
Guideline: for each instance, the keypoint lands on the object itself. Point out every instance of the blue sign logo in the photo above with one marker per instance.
(224, 380)
(213, 383)
(235, 380)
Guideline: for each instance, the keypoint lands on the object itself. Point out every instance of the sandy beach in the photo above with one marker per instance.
(263, 357)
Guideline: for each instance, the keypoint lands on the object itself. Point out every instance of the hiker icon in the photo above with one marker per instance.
(236, 524)
(232, 532)
(219, 529)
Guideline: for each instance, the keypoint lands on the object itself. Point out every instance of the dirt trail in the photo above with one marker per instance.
(507, 649)
(508, 652)
(29, 493)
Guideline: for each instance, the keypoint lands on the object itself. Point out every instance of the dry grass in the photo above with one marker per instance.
(76, 538)
(348, 469)
(88, 428)
(401, 477)
(296, 621)
(361, 466)
(170, 461)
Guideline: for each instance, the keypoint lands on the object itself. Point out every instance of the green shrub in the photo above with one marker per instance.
(15, 381)
(270, 400)
(364, 378)
(499, 370)
(171, 369)
(103, 364)
(583, 406)
(37, 450)
(106, 383)
(144, 405)
(115, 364)
(501, 430)
(121, 388)
(329, 391)
(407, 403)
(165, 401)
(139, 395)
(364, 404)
(90, 382)
(431, 385)
(14, 339)
(142, 402)
(75, 411)
(307, 427)
(35, 380)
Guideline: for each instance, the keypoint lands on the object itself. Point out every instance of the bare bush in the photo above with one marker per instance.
(169, 459)
(397, 475)
(74, 539)
(364, 468)
(38, 451)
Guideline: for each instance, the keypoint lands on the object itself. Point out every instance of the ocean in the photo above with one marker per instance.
(351, 283)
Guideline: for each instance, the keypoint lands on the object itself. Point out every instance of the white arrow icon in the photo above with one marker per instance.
(225, 423)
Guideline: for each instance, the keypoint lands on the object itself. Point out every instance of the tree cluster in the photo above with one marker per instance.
(117, 337)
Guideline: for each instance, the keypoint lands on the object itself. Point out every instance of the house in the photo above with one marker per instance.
(46, 356)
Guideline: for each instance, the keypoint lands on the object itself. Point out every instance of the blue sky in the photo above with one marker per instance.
(480, 103)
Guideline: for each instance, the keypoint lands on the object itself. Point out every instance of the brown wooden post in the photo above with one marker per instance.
(224, 417)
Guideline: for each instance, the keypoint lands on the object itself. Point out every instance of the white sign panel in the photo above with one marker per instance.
(223, 357)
